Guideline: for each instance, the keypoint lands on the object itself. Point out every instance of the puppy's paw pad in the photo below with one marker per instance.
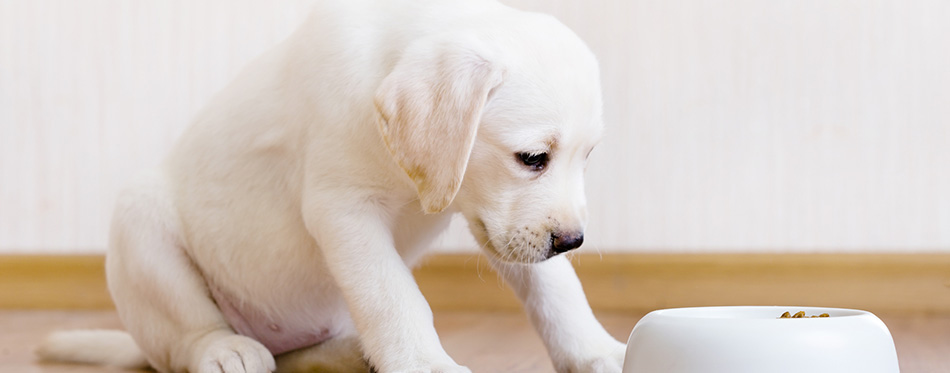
(236, 354)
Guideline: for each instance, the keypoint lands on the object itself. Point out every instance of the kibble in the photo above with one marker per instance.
(800, 315)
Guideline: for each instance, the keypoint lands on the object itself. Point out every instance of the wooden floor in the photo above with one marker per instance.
(485, 342)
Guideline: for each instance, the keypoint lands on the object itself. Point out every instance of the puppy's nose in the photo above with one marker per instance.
(565, 242)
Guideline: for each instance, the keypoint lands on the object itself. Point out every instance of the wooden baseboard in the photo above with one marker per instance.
(613, 282)
(48, 281)
(643, 282)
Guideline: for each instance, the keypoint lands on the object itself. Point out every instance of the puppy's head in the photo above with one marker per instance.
(513, 111)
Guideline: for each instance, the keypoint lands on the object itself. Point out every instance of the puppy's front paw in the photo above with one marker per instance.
(609, 361)
(236, 354)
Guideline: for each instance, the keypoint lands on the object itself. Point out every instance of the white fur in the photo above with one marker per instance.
(296, 204)
(112, 347)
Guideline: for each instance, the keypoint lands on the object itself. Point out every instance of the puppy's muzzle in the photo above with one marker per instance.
(565, 241)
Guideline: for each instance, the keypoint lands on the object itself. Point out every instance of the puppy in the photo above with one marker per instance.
(286, 219)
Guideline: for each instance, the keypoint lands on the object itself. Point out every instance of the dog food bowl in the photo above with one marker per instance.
(754, 339)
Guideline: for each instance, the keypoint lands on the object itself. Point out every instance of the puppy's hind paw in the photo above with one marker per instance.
(236, 354)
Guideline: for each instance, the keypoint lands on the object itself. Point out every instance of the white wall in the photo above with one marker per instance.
(732, 125)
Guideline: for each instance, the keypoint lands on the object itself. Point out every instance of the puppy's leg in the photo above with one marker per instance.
(393, 318)
(555, 303)
(162, 299)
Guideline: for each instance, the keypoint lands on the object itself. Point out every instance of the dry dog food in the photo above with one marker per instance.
(800, 315)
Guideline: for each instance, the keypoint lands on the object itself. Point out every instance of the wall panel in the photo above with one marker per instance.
(735, 125)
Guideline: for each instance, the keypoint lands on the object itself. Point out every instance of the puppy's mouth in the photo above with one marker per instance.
(514, 246)
(484, 238)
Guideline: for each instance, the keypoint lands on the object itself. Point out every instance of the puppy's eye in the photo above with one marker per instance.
(536, 161)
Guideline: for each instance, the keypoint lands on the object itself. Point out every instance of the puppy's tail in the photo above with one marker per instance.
(100, 347)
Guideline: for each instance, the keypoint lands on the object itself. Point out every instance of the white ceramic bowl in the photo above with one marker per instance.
(754, 339)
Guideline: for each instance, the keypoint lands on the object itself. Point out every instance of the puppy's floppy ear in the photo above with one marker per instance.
(429, 109)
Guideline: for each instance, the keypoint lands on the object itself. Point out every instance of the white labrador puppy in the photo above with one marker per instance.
(286, 220)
